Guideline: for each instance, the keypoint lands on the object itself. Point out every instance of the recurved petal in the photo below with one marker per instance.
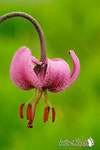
(22, 70)
(34, 60)
(57, 74)
(76, 68)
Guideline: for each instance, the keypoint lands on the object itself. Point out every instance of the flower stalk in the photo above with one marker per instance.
(37, 26)
(48, 74)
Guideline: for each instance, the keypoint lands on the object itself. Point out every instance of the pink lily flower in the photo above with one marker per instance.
(47, 74)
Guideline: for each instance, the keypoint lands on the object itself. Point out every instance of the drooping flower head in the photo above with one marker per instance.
(47, 74)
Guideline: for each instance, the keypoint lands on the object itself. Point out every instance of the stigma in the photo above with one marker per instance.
(31, 107)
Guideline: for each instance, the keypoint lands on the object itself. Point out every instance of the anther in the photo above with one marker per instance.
(27, 112)
(30, 113)
(53, 114)
(29, 116)
(46, 113)
(21, 110)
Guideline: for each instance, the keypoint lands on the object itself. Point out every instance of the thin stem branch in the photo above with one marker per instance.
(37, 26)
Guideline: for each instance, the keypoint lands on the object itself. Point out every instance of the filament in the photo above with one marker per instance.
(31, 98)
(44, 100)
(45, 93)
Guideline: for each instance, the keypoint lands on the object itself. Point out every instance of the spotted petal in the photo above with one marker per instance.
(57, 73)
(22, 69)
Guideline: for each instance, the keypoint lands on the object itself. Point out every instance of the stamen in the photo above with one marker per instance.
(24, 104)
(21, 110)
(53, 114)
(53, 109)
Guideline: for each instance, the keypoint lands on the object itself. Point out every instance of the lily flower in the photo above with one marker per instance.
(45, 75)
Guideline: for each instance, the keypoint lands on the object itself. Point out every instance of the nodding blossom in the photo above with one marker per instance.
(45, 75)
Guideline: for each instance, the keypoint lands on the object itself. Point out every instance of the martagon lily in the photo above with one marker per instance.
(47, 74)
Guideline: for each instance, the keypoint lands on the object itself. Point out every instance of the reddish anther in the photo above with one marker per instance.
(46, 113)
(27, 112)
(30, 117)
(53, 114)
(21, 110)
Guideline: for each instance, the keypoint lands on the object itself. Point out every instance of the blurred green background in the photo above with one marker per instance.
(67, 24)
